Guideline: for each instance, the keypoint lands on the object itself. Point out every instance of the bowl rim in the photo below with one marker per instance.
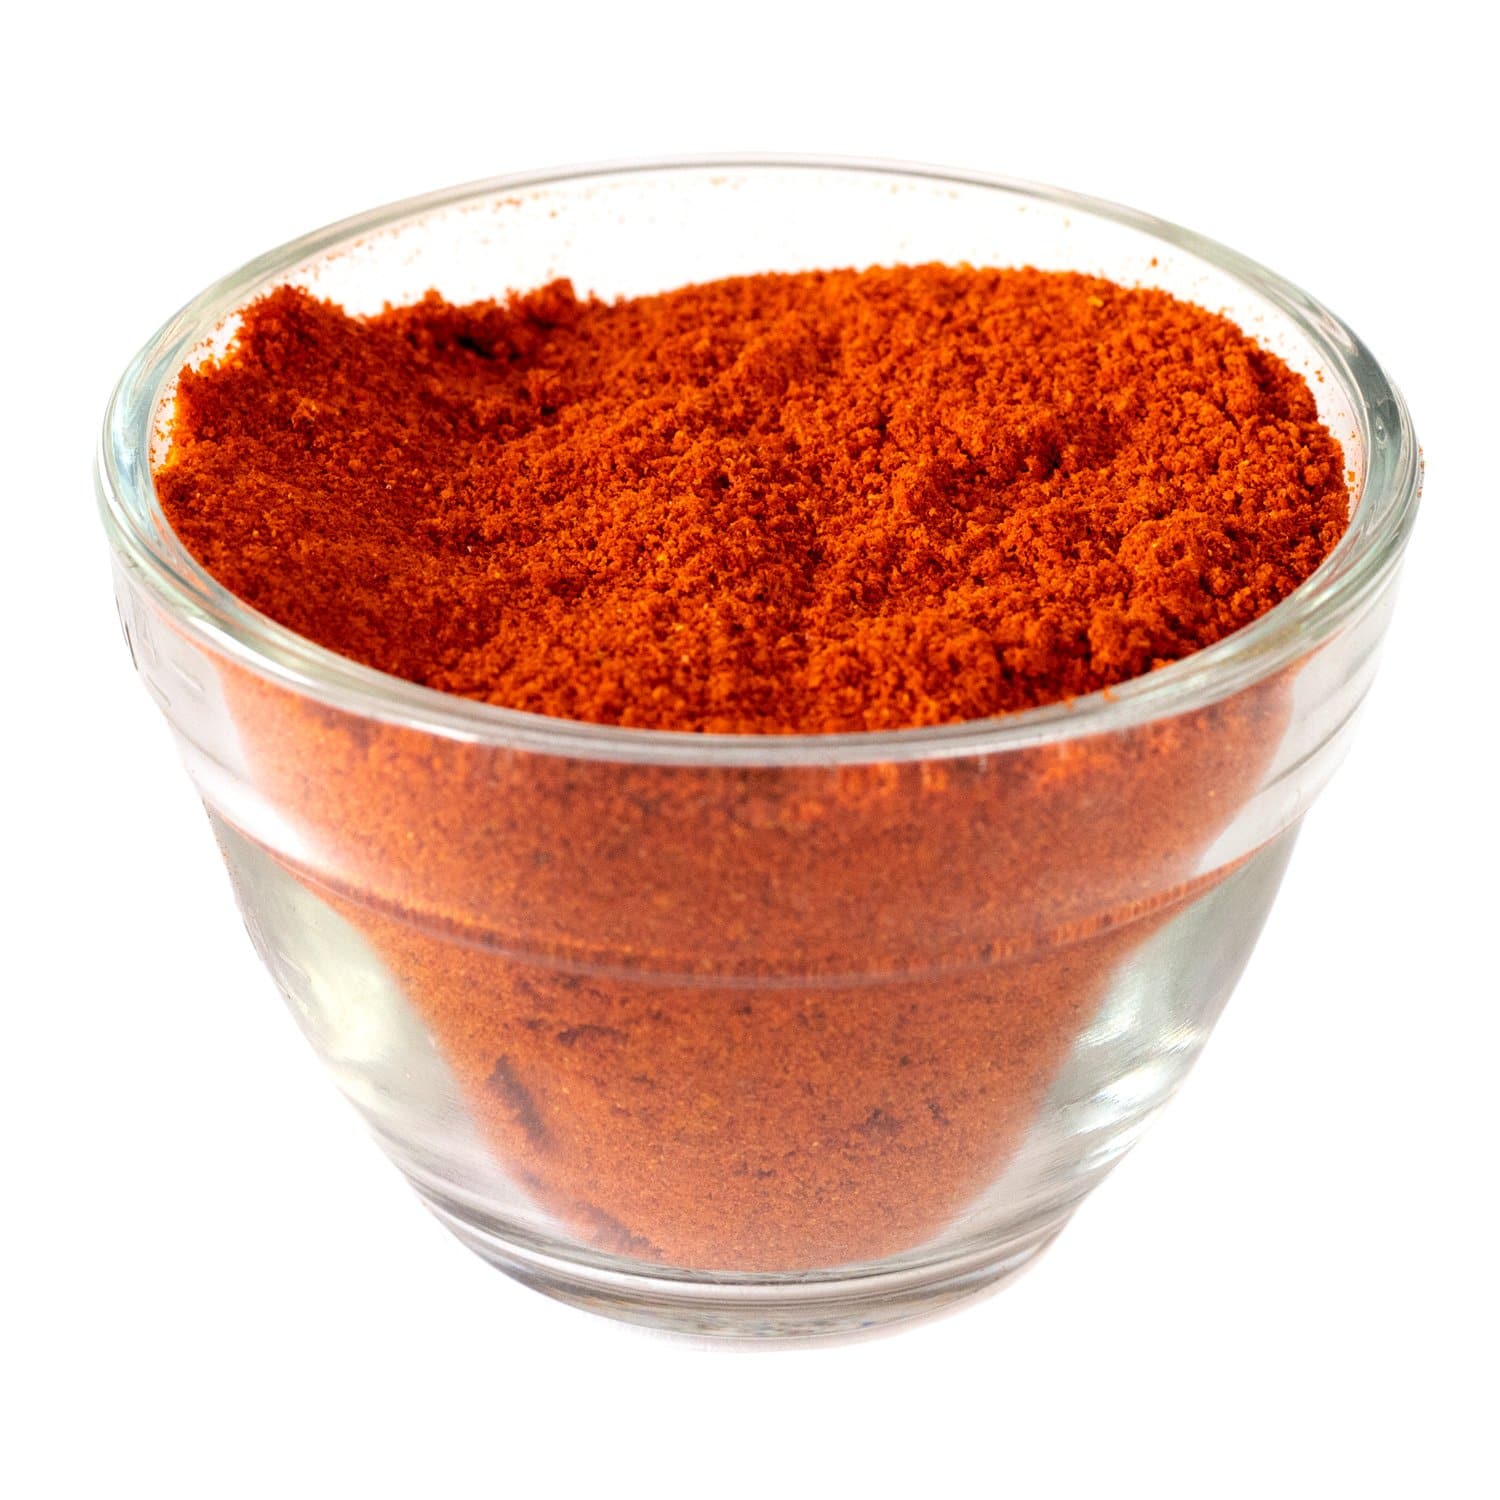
(146, 549)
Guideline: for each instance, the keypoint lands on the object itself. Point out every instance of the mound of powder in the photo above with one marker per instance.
(828, 501)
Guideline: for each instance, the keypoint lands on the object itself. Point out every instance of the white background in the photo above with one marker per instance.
(212, 1282)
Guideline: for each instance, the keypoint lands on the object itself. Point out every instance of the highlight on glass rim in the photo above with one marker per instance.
(757, 748)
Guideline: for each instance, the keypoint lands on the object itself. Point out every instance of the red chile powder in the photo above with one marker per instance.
(736, 1017)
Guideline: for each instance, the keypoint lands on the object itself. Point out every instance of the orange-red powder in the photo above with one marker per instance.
(831, 501)
(726, 1017)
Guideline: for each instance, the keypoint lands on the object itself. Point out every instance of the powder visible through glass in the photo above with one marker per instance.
(740, 1018)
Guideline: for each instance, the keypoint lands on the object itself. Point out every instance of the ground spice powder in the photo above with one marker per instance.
(736, 1017)
(822, 502)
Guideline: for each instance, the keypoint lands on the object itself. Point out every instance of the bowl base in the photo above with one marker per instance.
(719, 1307)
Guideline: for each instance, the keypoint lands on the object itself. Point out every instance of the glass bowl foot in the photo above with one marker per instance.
(809, 1305)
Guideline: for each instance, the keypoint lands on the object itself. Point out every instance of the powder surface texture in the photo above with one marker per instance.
(818, 502)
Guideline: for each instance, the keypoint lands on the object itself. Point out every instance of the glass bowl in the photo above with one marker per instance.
(736, 1034)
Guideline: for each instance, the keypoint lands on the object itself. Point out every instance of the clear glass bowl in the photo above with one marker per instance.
(755, 1035)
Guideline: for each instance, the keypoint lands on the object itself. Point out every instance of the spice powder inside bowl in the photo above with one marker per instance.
(696, 1013)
